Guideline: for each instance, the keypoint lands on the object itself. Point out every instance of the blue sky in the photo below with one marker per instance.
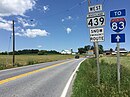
(55, 24)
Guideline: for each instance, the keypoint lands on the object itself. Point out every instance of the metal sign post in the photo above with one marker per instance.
(118, 65)
(96, 19)
(118, 38)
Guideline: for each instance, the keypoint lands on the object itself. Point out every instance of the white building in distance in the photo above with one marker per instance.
(64, 52)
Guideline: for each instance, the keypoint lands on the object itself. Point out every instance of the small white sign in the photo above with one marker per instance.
(98, 21)
(95, 8)
(95, 14)
(96, 34)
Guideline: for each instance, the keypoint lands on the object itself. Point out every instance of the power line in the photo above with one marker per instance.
(103, 2)
(89, 2)
(67, 10)
(7, 57)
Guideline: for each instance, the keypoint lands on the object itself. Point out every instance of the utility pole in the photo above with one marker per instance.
(89, 2)
(97, 59)
(94, 43)
(13, 45)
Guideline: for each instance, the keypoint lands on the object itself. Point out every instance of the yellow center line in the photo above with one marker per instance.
(32, 72)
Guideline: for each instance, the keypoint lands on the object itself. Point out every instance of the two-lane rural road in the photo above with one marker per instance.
(42, 80)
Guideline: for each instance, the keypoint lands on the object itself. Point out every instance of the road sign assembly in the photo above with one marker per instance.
(118, 24)
(118, 13)
(96, 20)
(95, 8)
(117, 38)
(96, 34)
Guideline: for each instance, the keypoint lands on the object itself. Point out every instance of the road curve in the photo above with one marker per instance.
(42, 80)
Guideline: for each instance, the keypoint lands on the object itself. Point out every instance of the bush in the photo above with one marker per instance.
(30, 62)
(2, 66)
(9, 66)
(18, 65)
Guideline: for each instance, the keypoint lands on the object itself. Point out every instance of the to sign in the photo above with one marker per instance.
(96, 34)
(95, 8)
(117, 13)
(95, 20)
(118, 24)
(117, 38)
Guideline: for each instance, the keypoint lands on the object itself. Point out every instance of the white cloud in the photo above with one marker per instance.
(68, 30)
(45, 8)
(39, 46)
(15, 7)
(6, 25)
(32, 33)
(62, 20)
(26, 23)
(69, 18)
(35, 32)
(18, 34)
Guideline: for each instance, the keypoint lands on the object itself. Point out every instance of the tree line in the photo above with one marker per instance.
(89, 47)
(31, 51)
(46, 52)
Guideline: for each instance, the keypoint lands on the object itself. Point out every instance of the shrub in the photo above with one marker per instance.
(30, 62)
(2, 66)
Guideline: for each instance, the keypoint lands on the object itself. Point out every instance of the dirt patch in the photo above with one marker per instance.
(128, 54)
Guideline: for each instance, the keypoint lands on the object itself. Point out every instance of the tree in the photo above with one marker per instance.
(87, 48)
(92, 47)
(100, 49)
(81, 50)
(111, 50)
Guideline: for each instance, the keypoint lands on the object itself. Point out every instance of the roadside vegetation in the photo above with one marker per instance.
(23, 60)
(85, 84)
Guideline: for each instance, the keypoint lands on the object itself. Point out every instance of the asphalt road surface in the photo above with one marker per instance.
(41, 80)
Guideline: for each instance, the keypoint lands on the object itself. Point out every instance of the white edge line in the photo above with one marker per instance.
(64, 93)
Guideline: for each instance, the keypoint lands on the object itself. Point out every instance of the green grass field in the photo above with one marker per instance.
(21, 60)
(85, 84)
(125, 61)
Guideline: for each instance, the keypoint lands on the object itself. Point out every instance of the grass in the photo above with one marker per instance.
(85, 84)
(22, 60)
(125, 61)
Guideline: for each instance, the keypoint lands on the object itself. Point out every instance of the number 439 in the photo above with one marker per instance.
(95, 22)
